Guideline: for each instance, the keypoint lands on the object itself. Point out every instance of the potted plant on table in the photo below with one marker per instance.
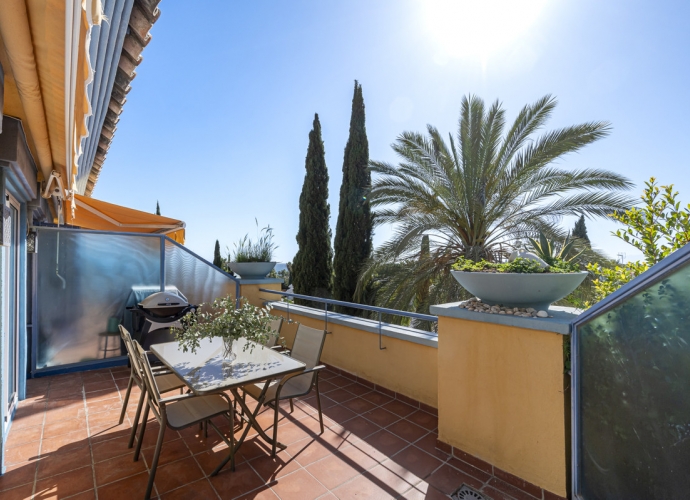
(221, 319)
(254, 260)
(529, 283)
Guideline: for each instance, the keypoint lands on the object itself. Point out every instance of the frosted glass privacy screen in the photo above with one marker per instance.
(199, 281)
(634, 396)
(83, 281)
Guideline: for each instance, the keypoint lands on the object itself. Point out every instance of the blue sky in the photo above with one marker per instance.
(216, 125)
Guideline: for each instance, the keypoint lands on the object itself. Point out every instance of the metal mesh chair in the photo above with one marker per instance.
(177, 412)
(165, 379)
(307, 348)
(276, 325)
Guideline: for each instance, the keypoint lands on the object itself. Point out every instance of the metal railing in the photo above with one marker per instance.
(379, 310)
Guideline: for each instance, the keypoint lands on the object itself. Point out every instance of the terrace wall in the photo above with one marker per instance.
(502, 394)
(407, 366)
(249, 289)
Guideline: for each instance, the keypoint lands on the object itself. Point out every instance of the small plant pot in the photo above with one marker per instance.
(251, 270)
(536, 290)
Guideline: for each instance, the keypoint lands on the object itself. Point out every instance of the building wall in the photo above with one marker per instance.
(4, 327)
(18, 178)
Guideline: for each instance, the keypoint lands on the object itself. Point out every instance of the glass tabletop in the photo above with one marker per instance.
(206, 371)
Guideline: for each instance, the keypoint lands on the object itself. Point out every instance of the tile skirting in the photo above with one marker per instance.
(383, 390)
(524, 486)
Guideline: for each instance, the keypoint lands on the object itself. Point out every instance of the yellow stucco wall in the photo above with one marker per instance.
(501, 398)
(404, 367)
(256, 297)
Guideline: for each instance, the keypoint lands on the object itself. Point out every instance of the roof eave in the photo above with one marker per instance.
(143, 16)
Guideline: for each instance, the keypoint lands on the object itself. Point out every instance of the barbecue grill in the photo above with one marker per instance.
(156, 314)
(165, 304)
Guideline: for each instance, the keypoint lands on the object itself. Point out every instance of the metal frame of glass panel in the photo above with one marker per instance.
(655, 274)
(162, 282)
(12, 298)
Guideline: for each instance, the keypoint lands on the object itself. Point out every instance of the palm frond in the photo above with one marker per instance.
(480, 192)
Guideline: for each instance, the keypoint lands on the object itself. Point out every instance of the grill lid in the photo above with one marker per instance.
(160, 300)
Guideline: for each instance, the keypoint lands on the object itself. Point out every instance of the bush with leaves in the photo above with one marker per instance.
(658, 228)
(519, 265)
(222, 319)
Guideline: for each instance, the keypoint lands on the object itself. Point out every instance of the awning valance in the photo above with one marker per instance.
(99, 215)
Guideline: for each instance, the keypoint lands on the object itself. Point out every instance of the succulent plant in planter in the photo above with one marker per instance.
(254, 260)
(221, 319)
(551, 252)
(521, 283)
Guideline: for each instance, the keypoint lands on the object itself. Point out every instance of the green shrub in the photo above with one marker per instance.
(661, 226)
(519, 265)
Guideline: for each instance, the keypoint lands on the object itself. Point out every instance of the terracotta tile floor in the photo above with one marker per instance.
(64, 443)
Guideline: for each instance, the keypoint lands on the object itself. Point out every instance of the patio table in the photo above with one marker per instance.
(206, 372)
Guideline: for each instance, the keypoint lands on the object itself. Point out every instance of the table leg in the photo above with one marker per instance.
(251, 422)
(252, 418)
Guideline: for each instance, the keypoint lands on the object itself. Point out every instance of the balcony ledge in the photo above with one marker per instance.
(260, 281)
(429, 339)
(559, 322)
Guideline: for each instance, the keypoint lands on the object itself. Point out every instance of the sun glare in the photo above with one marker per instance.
(478, 28)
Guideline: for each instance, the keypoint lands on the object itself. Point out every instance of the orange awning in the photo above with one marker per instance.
(102, 216)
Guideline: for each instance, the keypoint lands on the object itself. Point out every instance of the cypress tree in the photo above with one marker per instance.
(311, 269)
(217, 259)
(580, 230)
(158, 208)
(353, 232)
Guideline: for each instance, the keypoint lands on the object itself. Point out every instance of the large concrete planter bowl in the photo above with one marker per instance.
(537, 290)
(251, 270)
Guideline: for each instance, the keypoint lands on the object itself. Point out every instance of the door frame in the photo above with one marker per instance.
(12, 289)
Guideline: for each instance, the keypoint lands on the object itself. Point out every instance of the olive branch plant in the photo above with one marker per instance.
(223, 320)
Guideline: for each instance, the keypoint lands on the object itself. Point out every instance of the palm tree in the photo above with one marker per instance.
(478, 194)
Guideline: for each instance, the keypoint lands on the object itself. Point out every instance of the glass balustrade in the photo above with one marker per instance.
(633, 404)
